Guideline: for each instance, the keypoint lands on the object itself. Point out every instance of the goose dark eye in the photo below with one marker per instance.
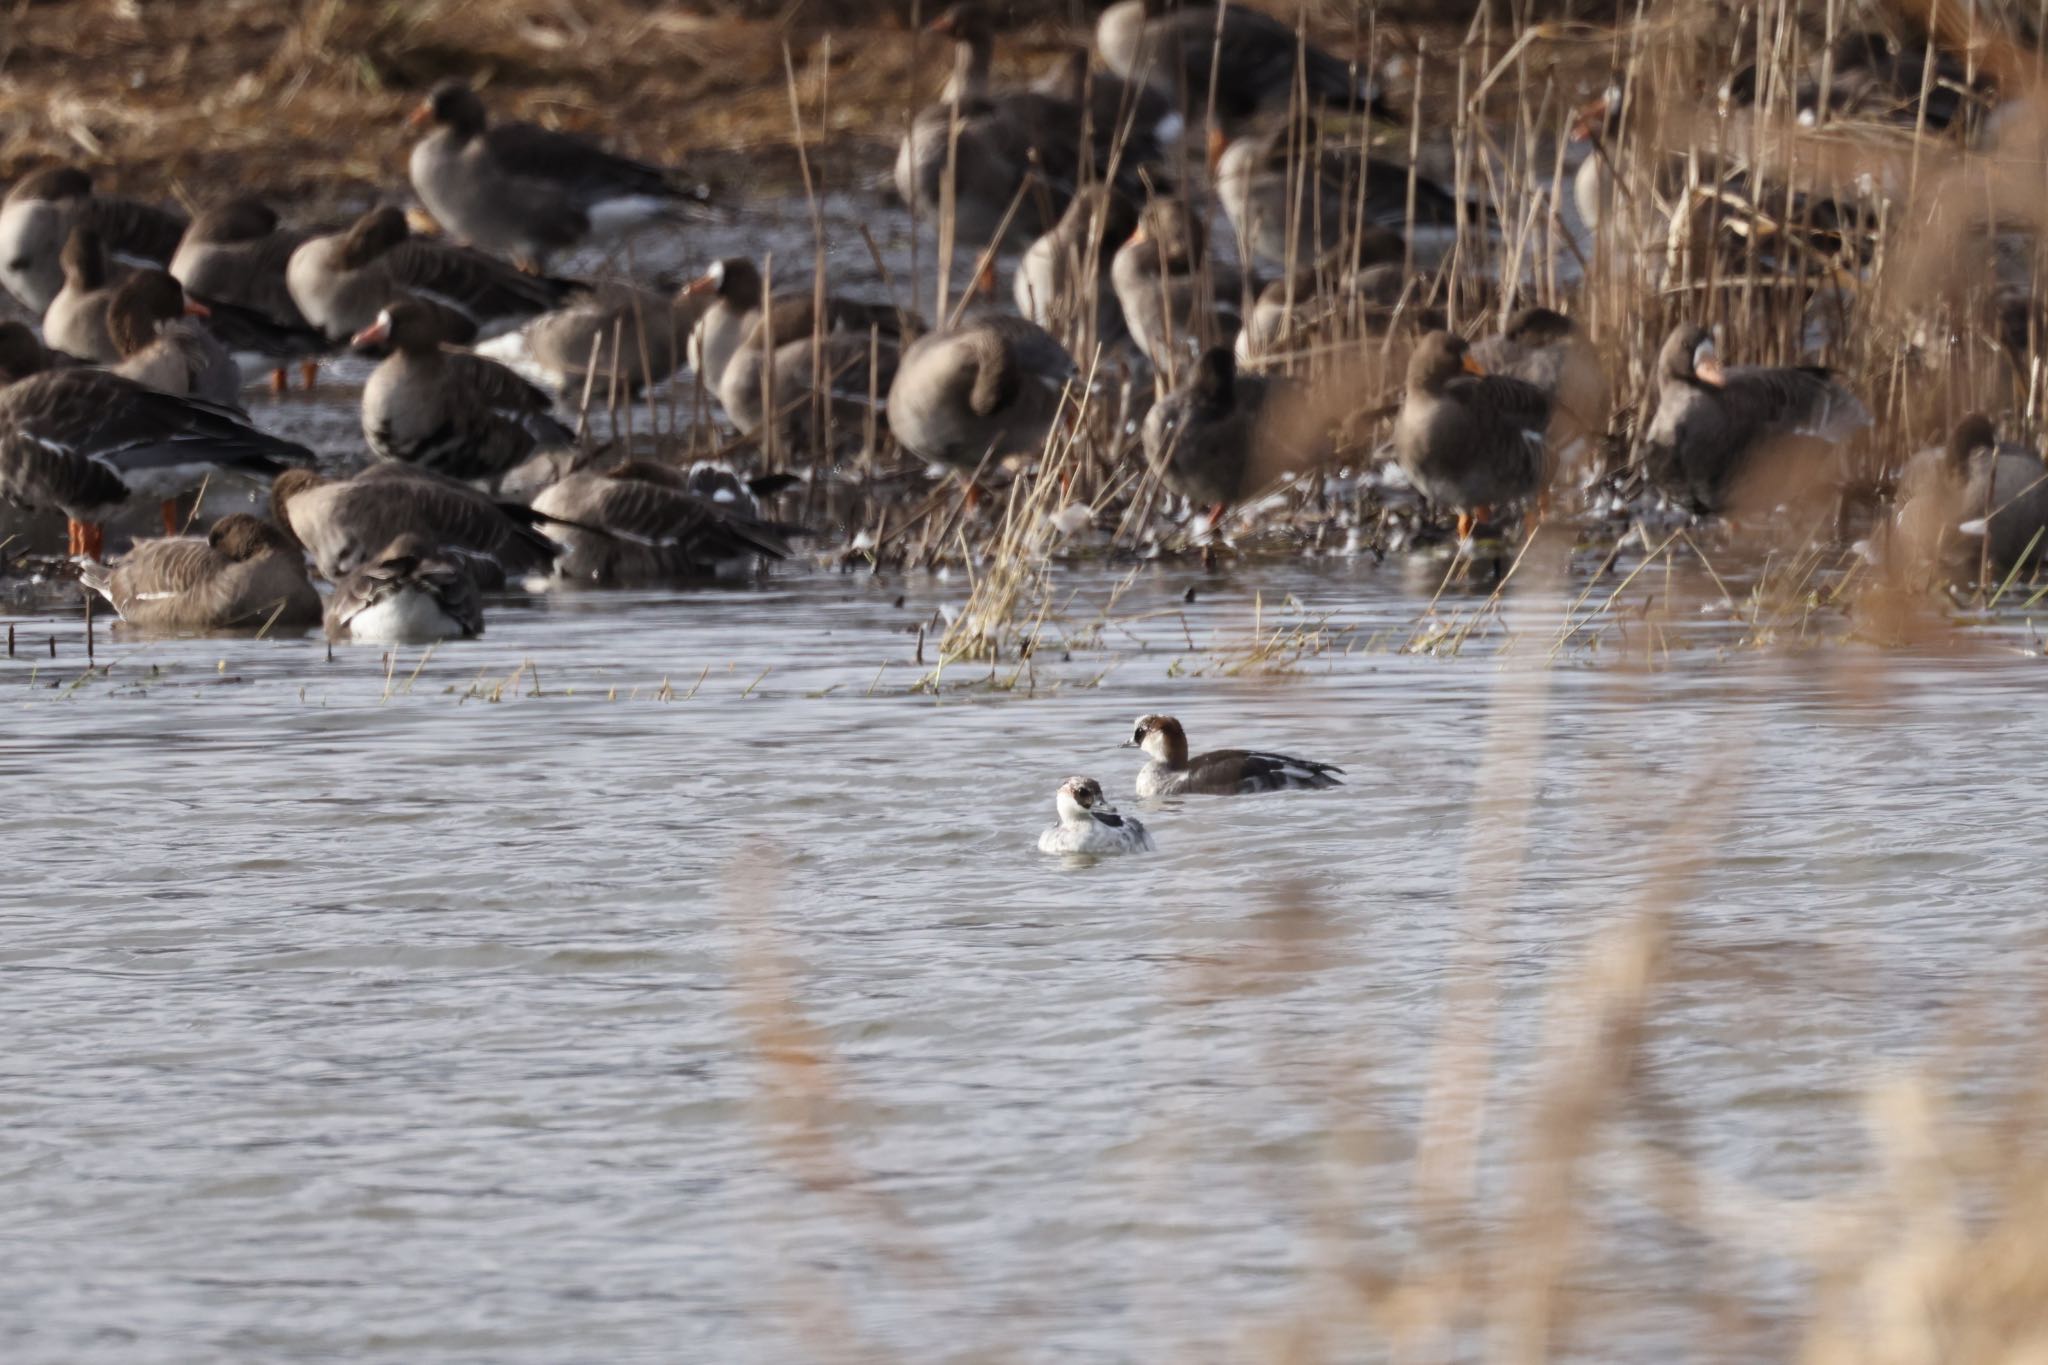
(19, 264)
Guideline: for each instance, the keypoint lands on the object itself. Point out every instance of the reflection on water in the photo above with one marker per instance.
(359, 1015)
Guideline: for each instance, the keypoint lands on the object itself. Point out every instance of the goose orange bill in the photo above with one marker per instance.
(1710, 371)
(377, 332)
(195, 309)
(1473, 367)
(703, 284)
(422, 113)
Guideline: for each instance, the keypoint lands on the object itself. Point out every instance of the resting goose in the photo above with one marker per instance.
(1063, 281)
(1223, 434)
(39, 214)
(1543, 347)
(1713, 421)
(156, 331)
(85, 441)
(342, 522)
(1975, 502)
(633, 337)
(237, 254)
(449, 411)
(1175, 297)
(523, 190)
(642, 522)
(409, 593)
(1346, 206)
(245, 575)
(990, 386)
(1331, 310)
(76, 320)
(341, 281)
(1467, 440)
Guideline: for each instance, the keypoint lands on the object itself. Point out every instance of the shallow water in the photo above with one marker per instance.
(357, 1015)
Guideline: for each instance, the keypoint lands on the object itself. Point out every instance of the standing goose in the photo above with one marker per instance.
(85, 441)
(1345, 206)
(246, 575)
(237, 254)
(1175, 297)
(156, 331)
(37, 219)
(1063, 280)
(341, 281)
(76, 320)
(1223, 434)
(1252, 62)
(1713, 421)
(641, 522)
(991, 386)
(1543, 347)
(341, 523)
(1467, 440)
(523, 190)
(409, 593)
(448, 411)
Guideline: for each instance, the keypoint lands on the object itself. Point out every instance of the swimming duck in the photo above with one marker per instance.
(162, 342)
(991, 386)
(408, 594)
(1470, 441)
(523, 190)
(245, 575)
(39, 214)
(341, 522)
(1176, 298)
(1090, 825)
(1713, 421)
(85, 441)
(448, 411)
(640, 522)
(1223, 434)
(1220, 772)
(342, 280)
(1543, 347)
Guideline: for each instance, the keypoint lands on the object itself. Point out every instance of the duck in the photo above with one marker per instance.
(244, 574)
(1063, 280)
(1223, 434)
(523, 190)
(1470, 441)
(341, 280)
(1220, 772)
(1021, 148)
(1089, 825)
(409, 593)
(990, 386)
(1175, 296)
(1543, 347)
(1347, 207)
(232, 258)
(1713, 421)
(448, 411)
(76, 320)
(341, 522)
(159, 335)
(634, 336)
(640, 521)
(85, 441)
(1249, 62)
(37, 218)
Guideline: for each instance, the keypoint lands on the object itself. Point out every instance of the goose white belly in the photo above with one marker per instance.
(408, 616)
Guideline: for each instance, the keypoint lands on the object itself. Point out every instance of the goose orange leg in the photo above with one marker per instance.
(170, 511)
(75, 538)
(279, 380)
(93, 543)
(309, 373)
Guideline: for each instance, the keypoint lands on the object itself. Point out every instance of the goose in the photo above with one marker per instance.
(1974, 502)
(409, 593)
(341, 281)
(640, 522)
(990, 386)
(236, 254)
(448, 411)
(735, 296)
(1174, 295)
(85, 441)
(635, 336)
(526, 191)
(1223, 434)
(341, 522)
(1467, 440)
(38, 216)
(1320, 308)
(244, 575)
(76, 320)
(159, 335)
(1713, 421)
(1063, 280)
(1169, 771)
(1543, 347)
(1345, 206)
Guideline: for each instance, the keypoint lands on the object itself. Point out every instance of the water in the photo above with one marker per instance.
(355, 1015)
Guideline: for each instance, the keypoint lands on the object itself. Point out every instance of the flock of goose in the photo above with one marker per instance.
(149, 323)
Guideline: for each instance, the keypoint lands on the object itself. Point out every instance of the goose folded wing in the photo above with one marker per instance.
(477, 286)
(245, 329)
(464, 519)
(656, 515)
(587, 171)
(1800, 401)
(165, 568)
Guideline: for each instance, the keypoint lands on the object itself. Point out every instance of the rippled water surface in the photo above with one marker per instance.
(662, 978)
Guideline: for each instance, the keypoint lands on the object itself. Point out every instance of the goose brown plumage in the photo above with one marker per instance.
(1470, 442)
(76, 320)
(155, 328)
(523, 190)
(449, 411)
(1973, 503)
(1059, 272)
(342, 522)
(43, 208)
(1713, 422)
(640, 522)
(1223, 434)
(635, 337)
(1175, 297)
(244, 575)
(1346, 207)
(990, 386)
(341, 281)
(408, 593)
(237, 254)
(1543, 347)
